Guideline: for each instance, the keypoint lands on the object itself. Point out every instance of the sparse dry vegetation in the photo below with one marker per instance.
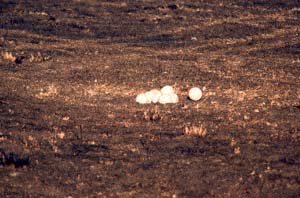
(196, 130)
(8, 56)
(153, 115)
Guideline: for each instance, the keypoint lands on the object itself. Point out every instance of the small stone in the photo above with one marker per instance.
(172, 6)
(61, 135)
(66, 118)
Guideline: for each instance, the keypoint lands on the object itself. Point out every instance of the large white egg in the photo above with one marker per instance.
(195, 93)
(167, 90)
(142, 99)
(155, 95)
(165, 98)
(168, 98)
(174, 98)
(148, 95)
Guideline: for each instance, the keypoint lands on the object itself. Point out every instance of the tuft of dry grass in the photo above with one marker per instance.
(49, 91)
(153, 115)
(237, 150)
(196, 130)
(8, 56)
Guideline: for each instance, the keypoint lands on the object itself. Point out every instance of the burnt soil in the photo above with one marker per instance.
(70, 72)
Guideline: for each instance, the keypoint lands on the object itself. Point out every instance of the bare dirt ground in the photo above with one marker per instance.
(70, 72)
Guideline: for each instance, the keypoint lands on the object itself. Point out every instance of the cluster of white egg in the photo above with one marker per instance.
(166, 95)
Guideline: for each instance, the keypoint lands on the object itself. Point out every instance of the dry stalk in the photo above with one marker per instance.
(153, 115)
(8, 56)
(196, 130)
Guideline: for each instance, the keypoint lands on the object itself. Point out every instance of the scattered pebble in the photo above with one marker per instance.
(246, 117)
(14, 174)
(66, 118)
(61, 135)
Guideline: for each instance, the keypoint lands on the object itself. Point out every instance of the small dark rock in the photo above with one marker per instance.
(292, 159)
(16, 160)
(52, 18)
(103, 147)
(19, 59)
(35, 41)
(13, 159)
(172, 6)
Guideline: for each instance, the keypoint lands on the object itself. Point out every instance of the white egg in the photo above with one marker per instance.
(174, 98)
(165, 98)
(155, 95)
(168, 98)
(195, 93)
(142, 99)
(148, 95)
(167, 90)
